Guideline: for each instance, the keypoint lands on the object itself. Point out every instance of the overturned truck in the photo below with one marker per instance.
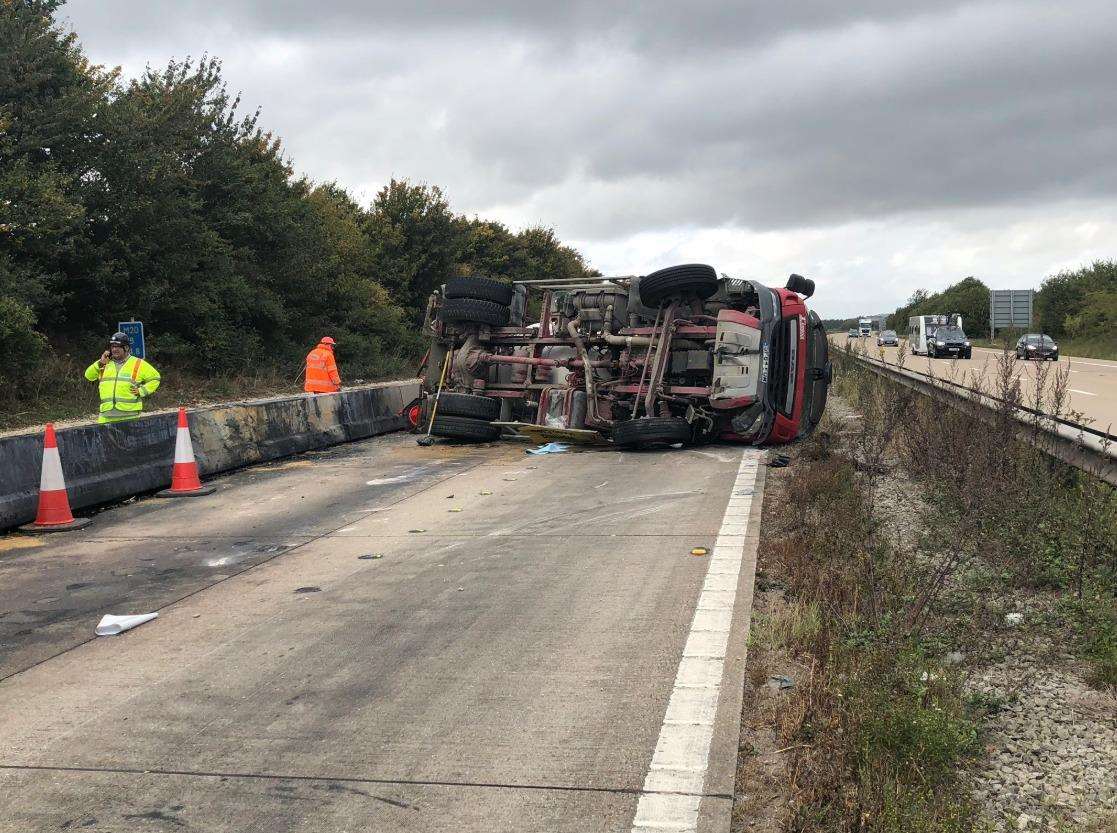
(679, 356)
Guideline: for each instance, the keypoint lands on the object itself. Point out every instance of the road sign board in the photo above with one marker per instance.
(1010, 308)
(135, 331)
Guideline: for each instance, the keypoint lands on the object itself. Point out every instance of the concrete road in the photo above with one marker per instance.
(1091, 386)
(387, 638)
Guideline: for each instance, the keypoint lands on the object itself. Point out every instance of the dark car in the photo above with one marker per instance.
(949, 342)
(853, 333)
(1037, 346)
(887, 337)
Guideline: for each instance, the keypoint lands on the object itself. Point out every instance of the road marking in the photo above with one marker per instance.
(1083, 392)
(677, 774)
(1110, 365)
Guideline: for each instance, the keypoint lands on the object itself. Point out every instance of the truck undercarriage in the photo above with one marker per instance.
(678, 356)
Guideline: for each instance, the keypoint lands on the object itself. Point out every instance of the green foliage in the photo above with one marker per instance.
(417, 240)
(969, 297)
(1081, 303)
(158, 199)
(1094, 616)
(1027, 518)
(419, 243)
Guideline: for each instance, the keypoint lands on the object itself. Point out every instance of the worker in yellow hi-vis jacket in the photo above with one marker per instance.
(124, 381)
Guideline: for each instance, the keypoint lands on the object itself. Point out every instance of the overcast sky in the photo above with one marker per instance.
(877, 146)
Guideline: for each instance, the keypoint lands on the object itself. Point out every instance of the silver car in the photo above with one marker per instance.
(887, 338)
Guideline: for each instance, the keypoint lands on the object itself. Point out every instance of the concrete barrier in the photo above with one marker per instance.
(103, 463)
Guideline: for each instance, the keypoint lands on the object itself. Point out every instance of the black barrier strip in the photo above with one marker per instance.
(1070, 424)
(356, 779)
(173, 602)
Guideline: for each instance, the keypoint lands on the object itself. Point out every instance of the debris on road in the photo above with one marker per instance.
(485, 492)
(111, 625)
(308, 589)
(549, 448)
(413, 531)
(779, 461)
(369, 556)
(780, 683)
(699, 551)
(454, 509)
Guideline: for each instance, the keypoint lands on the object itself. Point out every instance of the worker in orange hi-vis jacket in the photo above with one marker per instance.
(321, 369)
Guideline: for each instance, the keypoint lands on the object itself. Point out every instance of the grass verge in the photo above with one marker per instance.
(876, 725)
(891, 549)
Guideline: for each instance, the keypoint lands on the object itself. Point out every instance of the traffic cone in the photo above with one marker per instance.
(184, 475)
(54, 505)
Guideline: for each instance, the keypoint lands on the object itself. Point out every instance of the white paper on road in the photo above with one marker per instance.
(112, 625)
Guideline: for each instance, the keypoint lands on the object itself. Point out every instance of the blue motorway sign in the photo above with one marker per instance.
(135, 331)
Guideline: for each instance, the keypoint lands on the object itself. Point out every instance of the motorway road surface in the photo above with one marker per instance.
(532, 662)
(1091, 383)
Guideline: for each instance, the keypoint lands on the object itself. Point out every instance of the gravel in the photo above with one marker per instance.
(1052, 746)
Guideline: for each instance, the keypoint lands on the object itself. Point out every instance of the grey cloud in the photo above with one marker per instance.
(605, 122)
(662, 26)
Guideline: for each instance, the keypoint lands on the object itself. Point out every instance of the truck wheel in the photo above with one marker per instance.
(689, 279)
(463, 428)
(473, 311)
(649, 431)
(801, 285)
(481, 289)
(467, 405)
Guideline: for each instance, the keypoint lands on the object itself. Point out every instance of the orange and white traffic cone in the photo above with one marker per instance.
(54, 504)
(184, 476)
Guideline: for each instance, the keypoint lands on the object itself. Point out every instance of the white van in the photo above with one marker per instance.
(921, 335)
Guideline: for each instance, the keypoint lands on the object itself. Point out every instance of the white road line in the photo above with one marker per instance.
(1083, 392)
(1110, 365)
(677, 774)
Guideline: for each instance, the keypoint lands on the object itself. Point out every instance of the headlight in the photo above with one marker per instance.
(1054, 346)
(1031, 347)
(965, 344)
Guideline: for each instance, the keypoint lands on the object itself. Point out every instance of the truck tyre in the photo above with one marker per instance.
(467, 405)
(649, 431)
(801, 285)
(473, 311)
(689, 279)
(463, 428)
(481, 289)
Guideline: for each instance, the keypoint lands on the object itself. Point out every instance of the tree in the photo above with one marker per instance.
(969, 298)
(51, 101)
(159, 199)
(1067, 296)
(416, 240)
